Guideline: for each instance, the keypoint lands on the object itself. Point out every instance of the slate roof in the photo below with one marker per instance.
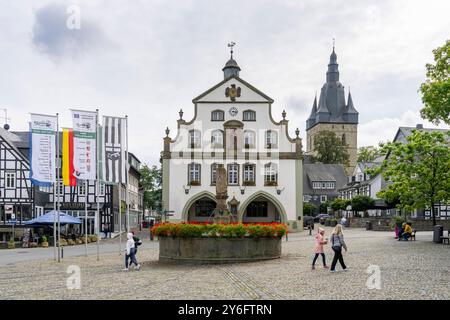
(323, 172)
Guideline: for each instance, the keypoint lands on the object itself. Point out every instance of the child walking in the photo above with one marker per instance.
(320, 241)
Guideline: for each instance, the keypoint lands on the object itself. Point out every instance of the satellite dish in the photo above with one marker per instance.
(6, 126)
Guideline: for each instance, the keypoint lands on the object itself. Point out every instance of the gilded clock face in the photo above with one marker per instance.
(233, 111)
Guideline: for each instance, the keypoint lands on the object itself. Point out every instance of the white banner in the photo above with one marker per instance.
(84, 144)
(114, 155)
(43, 149)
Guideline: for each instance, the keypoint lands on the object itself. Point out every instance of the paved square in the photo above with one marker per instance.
(409, 270)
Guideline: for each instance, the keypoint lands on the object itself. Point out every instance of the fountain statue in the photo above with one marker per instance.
(221, 212)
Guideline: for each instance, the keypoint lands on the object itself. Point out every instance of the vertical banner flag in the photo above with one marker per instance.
(84, 144)
(115, 145)
(43, 149)
(67, 158)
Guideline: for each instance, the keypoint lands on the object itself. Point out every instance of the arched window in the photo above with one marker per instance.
(249, 115)
(249, 139)
(271, 139)
(194, 173)
(217, 139)
(195, 139)
(270, 174)
(217, 115)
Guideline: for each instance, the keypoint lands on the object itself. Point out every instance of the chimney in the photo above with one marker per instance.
(419, 126)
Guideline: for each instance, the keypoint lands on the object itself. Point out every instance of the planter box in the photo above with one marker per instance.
(218, 250)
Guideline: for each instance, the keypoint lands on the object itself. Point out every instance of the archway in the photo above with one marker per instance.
(262, 207)
(199, 207)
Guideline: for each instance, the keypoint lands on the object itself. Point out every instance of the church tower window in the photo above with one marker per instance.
(195, 139)
(343, 138)
(217, 115)
(249, 115)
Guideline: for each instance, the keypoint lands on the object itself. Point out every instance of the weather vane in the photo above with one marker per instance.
(333, 44)
(231, 45)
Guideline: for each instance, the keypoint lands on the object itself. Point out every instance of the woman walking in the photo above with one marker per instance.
(320, 241)
(337, 243)
(131, 253)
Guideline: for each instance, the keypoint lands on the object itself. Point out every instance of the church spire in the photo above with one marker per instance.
(231, 67)
(350, 107)
(333, 71)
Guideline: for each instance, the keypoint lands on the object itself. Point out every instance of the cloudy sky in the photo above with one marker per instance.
(148, 59)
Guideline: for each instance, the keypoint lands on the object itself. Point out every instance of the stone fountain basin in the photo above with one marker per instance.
(218, 250)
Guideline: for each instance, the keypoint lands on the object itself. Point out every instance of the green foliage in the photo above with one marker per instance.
(362, 203)
(330, 148)
(418, 171)
(340, 204)
(233, 230)
(368, 154)
(44, 238)
(324, 207)
(151, 182)
(436, 89)
(309, 209)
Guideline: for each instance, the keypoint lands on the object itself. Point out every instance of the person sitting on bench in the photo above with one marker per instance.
(407, 231)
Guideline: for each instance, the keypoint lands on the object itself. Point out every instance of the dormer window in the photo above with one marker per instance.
(330, 185)
(195, 139)
(249, 115)
(271, 139)
(217, 115)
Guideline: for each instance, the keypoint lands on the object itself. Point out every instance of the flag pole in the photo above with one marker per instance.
(97, 192)
(57, 186)
(120, 217)
(54, 192)
(85, 215)
(127, 175)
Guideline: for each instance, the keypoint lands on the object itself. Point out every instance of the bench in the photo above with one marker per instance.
(446, 239)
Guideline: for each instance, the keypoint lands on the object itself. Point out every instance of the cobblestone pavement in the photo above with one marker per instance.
(409, 270)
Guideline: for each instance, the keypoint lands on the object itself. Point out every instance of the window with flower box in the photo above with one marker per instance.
(194, 174)
(249, 170)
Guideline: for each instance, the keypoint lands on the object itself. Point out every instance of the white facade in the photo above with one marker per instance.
(265, 177)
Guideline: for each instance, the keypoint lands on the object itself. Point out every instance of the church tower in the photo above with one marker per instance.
(332, 113)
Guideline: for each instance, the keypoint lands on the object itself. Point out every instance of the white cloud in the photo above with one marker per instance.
(148, 59)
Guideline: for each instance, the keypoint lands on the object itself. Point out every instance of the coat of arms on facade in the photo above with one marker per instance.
(233, 92)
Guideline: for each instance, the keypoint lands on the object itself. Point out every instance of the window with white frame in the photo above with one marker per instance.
(195, 139)
(82, 190)
(217, 115)
(214, 167)
(271, 139)
(323, 198)
(194, 173)
(249, 115)
(324, 185)
(270, 173)
(60, 188)
(217, 139)
(249, 173)
(101, 189)
(233, 174)
(10, 180)
(249, 139)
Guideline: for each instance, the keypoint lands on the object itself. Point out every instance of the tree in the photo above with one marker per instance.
(418, 171)
(151, 179)
(309, 209)
(368, 154)
(340, 204)
(330, 148)
(323, 208)
(362, 203)
(436, 89)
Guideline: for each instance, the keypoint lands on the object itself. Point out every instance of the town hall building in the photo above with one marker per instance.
(233, 125)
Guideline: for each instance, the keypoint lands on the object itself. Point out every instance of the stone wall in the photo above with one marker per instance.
(383, 223)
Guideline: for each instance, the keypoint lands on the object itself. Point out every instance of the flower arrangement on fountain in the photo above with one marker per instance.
(220, 230)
